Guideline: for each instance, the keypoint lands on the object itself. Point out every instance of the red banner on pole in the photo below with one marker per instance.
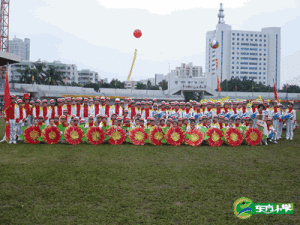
(219, 86)
(7, 104)
(275, 91)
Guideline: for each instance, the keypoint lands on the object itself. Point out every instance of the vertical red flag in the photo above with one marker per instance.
(275, 91)
(219, 86)
(217, 63)
(7, 104)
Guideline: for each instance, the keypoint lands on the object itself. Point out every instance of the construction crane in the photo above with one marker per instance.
(4, 30)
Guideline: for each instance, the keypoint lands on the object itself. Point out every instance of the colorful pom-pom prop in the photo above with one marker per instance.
(137, 136)
(73, 135)
(116, 135)
(214, 44)
(156, 136)
(175, 136)
(95, 135)
(233, 137)
(195, 137)
(215, 137)
(31, 134)
(253, 136)
(51, 135)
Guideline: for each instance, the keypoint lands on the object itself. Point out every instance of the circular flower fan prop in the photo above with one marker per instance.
(117, 135)
(156, 135)
(196, 137)
(233, 137)
(51, 135)
(215, 137)
(73, 135)
(175, 136)
(31, 134)
(137, 136)
(95, 135)
(253, 136)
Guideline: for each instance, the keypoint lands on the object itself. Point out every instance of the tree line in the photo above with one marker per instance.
(247, 85)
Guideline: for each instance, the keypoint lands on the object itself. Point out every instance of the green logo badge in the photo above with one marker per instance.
(244, 208)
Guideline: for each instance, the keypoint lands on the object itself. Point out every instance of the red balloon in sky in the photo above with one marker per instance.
(137, 33)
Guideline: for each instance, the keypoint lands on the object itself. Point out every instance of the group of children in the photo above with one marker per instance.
(148, 114)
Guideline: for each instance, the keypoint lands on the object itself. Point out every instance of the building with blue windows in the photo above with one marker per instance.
(252, 54)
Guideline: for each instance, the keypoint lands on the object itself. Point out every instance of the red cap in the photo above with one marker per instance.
(91, 117)
(41, 117)
(26, 96)
(12, 96)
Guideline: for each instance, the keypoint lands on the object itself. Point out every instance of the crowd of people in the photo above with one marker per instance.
(99, 112)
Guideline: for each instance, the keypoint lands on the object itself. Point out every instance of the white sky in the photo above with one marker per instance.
(98, 34)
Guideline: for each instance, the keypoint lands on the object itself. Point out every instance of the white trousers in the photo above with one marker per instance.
(289, 129)
(13, 130)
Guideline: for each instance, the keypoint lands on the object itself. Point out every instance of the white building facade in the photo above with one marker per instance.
(20, 47)
(69, 71)
(252, 54)
(86, 76)
(188, 70)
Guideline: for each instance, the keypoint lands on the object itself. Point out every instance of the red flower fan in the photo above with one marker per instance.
(73, 135)
(156, 135)
(253, 136)
(137, 136)
(196, 137)
(51, 135)
(95, 135)
(175, 136)
(31, 134)
(215, 137)
(233, 136)
(117, 135)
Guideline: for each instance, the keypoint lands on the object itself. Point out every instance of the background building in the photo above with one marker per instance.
(188, 70)
(69, 71)
(86, 76)
(252, 54)
(158, 78)
(20, 47)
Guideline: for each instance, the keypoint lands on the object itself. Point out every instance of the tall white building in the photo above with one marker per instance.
(252, 54)
(188, 70)
(20, 47)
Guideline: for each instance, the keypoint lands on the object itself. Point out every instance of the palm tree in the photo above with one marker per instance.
(26, 77)
(53, 76)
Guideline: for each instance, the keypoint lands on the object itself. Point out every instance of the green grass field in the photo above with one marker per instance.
(127, 184)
